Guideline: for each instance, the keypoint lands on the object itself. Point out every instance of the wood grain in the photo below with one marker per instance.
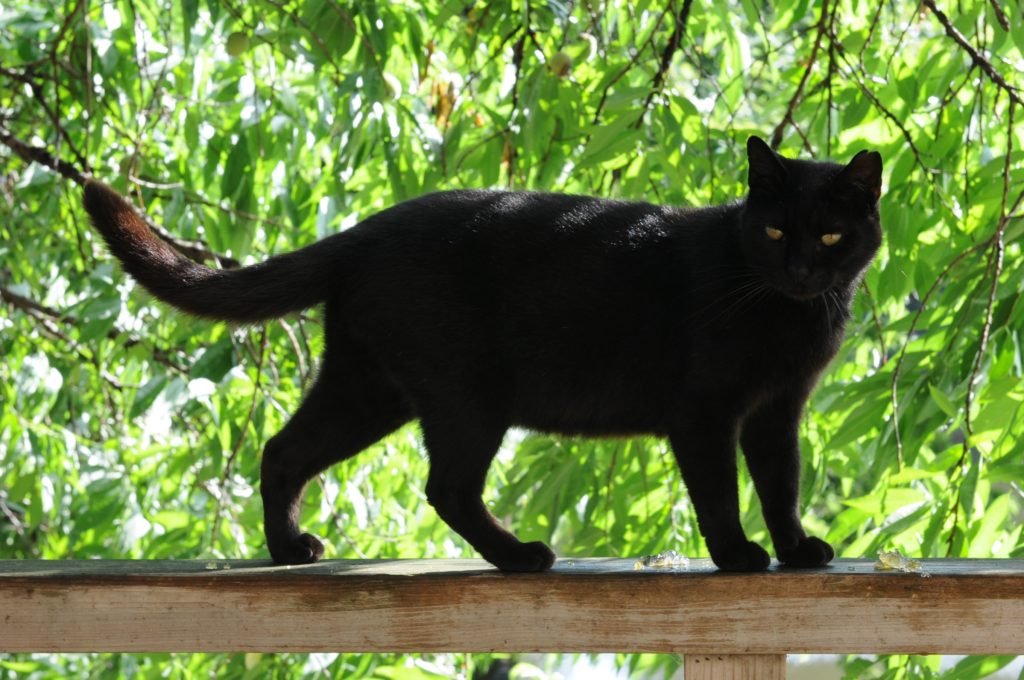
(735, 667)
(595, 605)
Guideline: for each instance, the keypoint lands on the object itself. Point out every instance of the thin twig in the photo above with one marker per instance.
(996, 267)
(37, 94)
(634, 60)
(194, 250)
(878, 322)
(788, 117)
(300, 358)
(1000, 15)
(910, 335)
(666, 59)
(242, 433)
(975, 55)
(159, 354)
(196, 197)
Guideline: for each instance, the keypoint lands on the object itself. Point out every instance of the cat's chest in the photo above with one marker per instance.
(763, 351)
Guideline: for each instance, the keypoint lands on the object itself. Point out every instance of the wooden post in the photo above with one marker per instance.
(594, 605)
(735, 666)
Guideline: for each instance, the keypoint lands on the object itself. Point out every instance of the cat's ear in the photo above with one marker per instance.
(766, 170)
(864, 172)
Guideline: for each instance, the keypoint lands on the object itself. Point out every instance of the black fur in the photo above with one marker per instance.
(474, 311)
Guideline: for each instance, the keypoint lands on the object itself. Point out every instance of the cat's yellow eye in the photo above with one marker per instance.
(830, 239)
(773, 233)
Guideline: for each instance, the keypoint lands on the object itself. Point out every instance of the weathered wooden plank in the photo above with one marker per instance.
(735, 666)
(962, 607)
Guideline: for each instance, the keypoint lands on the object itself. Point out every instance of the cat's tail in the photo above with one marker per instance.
(282, 284)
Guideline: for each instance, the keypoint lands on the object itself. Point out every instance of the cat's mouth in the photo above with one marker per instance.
(800, 293)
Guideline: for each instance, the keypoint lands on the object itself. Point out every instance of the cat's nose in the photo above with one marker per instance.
(800, 273)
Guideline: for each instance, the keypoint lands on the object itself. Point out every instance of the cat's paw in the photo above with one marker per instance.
(745, 556)
(526, 557)
(304, 549)
(808, 552)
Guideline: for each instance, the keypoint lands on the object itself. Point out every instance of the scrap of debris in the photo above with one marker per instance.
(893, 560)
(669, 559)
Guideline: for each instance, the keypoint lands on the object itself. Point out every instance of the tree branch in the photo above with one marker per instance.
(976, 56)
(35, 154)
(894, 397)
(194, 250)
(37, 94)
(996, 267)
(666, 58)
(41, 311)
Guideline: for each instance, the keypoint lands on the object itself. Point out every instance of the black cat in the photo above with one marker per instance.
(474, 311)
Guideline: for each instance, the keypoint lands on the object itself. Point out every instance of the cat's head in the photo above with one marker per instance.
(810, 226)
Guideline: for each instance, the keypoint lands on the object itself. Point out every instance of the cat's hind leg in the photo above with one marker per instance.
(351, 406)
(461, 450)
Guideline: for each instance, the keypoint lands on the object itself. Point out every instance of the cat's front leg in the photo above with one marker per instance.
(770, 443)
(705, 448)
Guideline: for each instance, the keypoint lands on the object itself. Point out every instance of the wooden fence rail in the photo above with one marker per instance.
(727, 625)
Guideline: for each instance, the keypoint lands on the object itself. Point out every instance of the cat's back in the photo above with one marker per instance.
(478, 239)
(473, 215)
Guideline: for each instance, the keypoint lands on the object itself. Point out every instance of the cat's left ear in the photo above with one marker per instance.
(864, 172)
(766, 171)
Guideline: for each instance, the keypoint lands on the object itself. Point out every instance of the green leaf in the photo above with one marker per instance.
(215, 361)
(236, 167)
(146, 395)
(943, 401)
(608, 141)
(189, 15)
(977, 667)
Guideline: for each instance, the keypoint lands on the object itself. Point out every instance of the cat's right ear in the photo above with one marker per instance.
(766, 170)
(864, 172)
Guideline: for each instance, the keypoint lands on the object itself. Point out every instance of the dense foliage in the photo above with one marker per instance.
(127, 430)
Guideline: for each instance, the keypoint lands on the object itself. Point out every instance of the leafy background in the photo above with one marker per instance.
(127, 430)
